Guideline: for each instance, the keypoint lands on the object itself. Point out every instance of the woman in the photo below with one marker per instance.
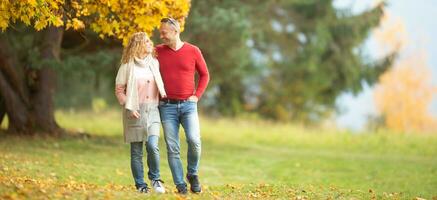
(137, 87)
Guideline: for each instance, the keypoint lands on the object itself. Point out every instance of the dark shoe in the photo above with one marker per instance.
(143, 189)
(194, 183)
(182, 189)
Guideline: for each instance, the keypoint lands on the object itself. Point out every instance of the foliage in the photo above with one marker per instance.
(314, 54)
(105, 17)
(286, 60)
(405, 92)
(221, 30)
(404, 95)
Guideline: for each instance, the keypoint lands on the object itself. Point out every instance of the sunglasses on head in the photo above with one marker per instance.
(169, 20)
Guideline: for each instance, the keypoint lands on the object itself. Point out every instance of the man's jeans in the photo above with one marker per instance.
(173, 114)
(152, 160)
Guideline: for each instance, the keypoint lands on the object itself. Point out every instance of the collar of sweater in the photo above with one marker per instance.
(145, 61)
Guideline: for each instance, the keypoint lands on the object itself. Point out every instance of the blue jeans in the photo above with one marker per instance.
(172, 115)
(136, 153)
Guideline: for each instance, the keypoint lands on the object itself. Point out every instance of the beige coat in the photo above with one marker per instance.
(137, 130)
(125, 76)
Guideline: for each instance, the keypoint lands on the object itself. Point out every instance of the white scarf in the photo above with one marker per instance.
(131, 90)
(145, 62)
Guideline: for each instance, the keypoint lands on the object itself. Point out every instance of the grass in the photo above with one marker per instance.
(241, 159)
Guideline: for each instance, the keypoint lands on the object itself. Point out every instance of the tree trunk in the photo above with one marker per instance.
(11, 90)
(43, 91)
(15, 108)
(2, 110)
(30, 107)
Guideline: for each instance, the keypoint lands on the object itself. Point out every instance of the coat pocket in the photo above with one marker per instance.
(132, 122)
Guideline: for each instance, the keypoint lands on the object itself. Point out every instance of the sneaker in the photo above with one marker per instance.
(143, 189)
(157, 186)
(194, 183)
(182, 189)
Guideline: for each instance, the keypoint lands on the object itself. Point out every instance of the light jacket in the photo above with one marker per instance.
(126, 77)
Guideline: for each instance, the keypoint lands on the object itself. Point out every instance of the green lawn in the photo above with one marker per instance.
(241, 159)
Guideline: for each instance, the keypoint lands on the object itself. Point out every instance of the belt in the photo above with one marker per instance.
(174, 101)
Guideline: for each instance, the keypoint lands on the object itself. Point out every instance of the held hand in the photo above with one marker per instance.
(135, 114)
(193, 98)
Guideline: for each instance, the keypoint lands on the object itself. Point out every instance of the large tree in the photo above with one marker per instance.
(315, 53)
(27, 89)
(284, 59)
(221, 30)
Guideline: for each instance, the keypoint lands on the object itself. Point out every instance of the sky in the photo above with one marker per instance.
(420, 20)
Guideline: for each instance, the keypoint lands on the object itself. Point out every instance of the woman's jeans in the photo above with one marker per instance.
(152, 160)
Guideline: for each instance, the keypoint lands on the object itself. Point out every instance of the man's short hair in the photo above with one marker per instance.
(172, 22)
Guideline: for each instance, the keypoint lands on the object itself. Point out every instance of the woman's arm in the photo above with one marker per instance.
(120, 93)
(120, 84)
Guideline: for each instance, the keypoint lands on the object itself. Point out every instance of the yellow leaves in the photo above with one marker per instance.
(75, 23)
(5, 15)
(78, 24)
(146, 23)
(25, 19)
(32, 2)
(405, 92)
(120, 19)
(14, 184)
(106, 28)
(57, 21)
(115, 18)
(84, 12)
(404, 95)
(40, 24)
(36, 13)
(3, 23)
(125, 40)
(75, 5)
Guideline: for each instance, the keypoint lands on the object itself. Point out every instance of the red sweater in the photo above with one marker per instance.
(178, 70)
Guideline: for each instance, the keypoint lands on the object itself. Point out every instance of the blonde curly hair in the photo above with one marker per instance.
(136, 47)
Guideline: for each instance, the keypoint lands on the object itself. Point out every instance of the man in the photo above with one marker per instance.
(179, 61)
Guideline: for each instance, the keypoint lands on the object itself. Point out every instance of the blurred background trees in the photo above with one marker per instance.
(314, 53)
(285, 60)
(405, 92)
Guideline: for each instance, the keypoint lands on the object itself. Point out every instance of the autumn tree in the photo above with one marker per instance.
(404, 95)
(27, 89)
(405, 92)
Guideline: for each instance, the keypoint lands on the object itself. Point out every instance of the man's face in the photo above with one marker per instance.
(167, 33)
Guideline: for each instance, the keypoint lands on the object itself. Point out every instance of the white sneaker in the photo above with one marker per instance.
(157, 186)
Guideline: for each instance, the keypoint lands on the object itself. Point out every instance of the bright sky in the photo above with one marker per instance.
(420, 18)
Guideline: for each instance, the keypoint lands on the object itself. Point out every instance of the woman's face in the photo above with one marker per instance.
(149, 46)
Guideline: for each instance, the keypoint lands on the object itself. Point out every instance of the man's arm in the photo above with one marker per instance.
(202, 70)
